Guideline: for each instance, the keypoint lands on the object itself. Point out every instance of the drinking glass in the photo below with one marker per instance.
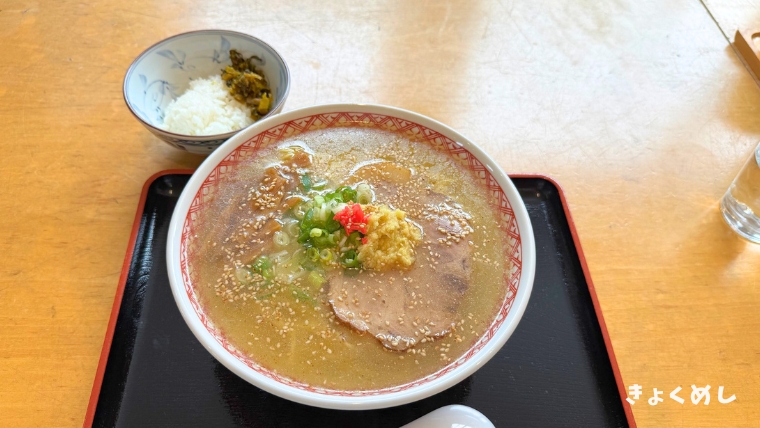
(741, 203)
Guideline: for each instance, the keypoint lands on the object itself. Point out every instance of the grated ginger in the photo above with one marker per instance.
(390, 240)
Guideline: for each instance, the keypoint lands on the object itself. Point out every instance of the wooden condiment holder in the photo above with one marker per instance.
(747, 49)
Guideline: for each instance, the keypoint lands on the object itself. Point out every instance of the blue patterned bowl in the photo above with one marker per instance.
(164, 70)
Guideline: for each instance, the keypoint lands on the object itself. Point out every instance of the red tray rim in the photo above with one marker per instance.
(100, 372)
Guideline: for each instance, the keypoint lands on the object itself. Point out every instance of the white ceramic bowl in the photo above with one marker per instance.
(203, 185)
(164, 70)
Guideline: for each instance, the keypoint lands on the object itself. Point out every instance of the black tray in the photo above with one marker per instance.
(556, 370)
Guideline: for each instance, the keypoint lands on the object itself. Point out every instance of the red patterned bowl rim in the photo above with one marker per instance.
(352, 116)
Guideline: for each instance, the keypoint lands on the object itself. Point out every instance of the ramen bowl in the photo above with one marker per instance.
(209, 180)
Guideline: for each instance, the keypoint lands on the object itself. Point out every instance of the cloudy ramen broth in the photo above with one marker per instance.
(289, 323)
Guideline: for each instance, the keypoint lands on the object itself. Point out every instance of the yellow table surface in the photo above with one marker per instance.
(639, 108)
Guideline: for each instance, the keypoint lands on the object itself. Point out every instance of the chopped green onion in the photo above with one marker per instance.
(321, 213)
(263, 266)
(243, 275)
(363, 193)
(308, 218)
(316, 279)
(280, 238)
(309, 264)
(306, 182)
(300, 210)
(319, 231)
(323, 241)
(354, 239)
(338, 207)
(261, 263)
(306, 226)
(346, 193)
(301, 295)
(326, 255)
(350, 263)
(312, 253)
(349, 259)
(332, 225)
(291, 228)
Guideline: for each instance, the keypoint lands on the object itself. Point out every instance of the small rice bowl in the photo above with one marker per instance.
(206, 108)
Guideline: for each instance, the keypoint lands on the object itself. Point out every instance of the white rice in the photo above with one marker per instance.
(207, 108)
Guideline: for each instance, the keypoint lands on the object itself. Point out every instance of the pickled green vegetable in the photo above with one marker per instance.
(247, 84)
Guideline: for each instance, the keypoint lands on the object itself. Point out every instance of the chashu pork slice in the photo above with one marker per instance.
(400, 308)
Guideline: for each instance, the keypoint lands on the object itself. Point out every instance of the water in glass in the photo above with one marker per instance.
(741, 203)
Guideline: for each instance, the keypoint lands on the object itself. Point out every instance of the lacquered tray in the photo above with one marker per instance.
(557, 369)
